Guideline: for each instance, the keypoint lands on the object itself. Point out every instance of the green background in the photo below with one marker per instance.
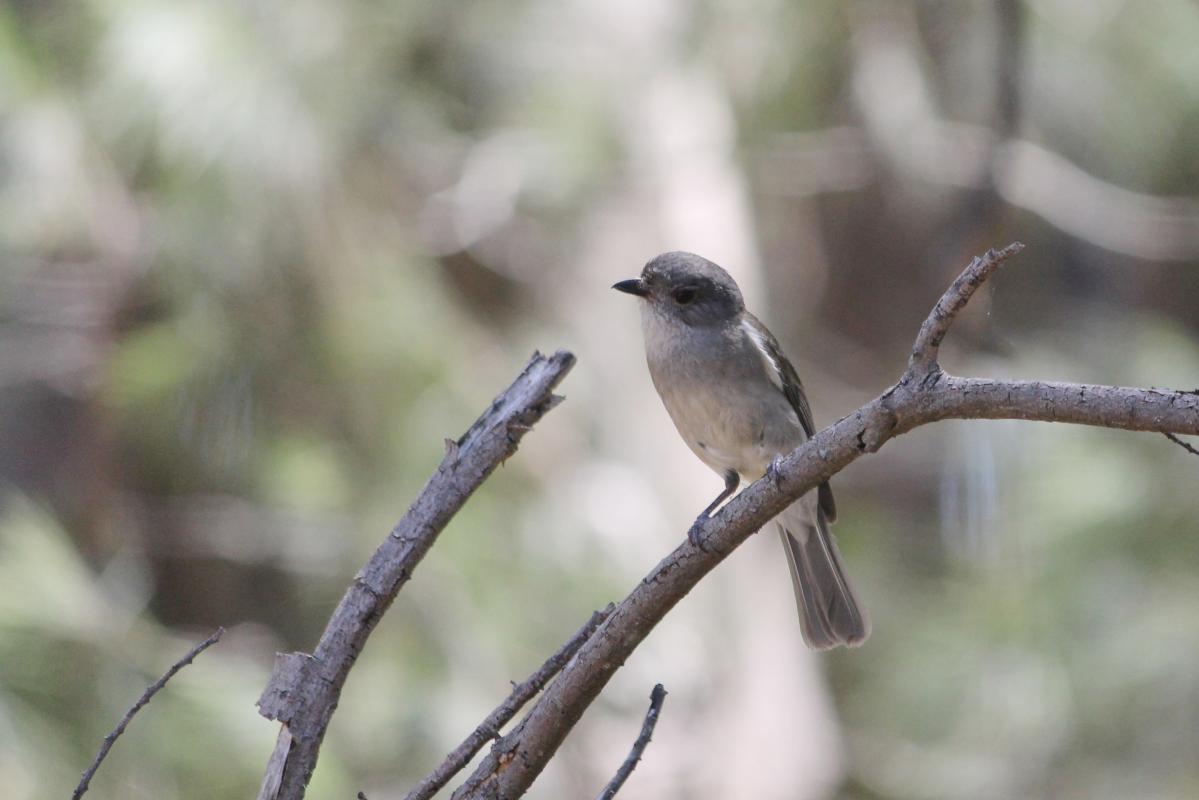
(258, 259)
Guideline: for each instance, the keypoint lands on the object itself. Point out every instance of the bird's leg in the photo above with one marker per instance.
(731, 481)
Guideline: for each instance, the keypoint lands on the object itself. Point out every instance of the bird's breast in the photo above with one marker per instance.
(726, 410)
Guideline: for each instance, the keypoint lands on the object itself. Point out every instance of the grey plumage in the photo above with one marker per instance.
(738, 404)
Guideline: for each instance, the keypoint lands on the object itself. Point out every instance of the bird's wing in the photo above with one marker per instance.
(784, 376)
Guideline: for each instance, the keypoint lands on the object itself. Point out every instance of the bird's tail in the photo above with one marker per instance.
(829, 613)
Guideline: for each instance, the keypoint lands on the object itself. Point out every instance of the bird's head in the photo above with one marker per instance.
(687, 288)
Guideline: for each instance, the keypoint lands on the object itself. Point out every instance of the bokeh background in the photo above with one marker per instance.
(260, 258)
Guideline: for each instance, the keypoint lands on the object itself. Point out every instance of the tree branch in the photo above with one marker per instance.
(304, 689)
(922, 395)
(647, 730)
(152, 690)
(932, 332)
(489, 729)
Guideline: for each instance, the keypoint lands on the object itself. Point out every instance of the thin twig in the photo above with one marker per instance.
(1181, 443)
(932, 332)
(490, 727)
(107, 744)
(647, 730)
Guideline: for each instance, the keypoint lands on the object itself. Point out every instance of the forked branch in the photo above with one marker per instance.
(304, 689)
(922, 395)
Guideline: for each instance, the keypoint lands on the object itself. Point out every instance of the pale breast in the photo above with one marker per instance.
(720, 398)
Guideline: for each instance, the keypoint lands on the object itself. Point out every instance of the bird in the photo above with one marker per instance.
(738, 404)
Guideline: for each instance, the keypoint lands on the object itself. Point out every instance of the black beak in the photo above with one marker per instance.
(632, 286)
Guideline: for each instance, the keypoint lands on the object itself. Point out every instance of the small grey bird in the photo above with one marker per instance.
(738, 404)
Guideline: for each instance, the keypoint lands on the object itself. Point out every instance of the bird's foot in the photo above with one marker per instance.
(695, 532)
(774, 470)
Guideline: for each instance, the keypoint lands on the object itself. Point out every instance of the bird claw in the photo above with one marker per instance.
(773, 470)
(695, 533)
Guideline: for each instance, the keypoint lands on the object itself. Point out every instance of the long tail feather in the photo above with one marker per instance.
(829, 612)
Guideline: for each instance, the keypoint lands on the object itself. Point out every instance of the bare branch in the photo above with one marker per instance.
(304, 689)
(518, 757)
(489, 729)
(152, 690)
(1181, 444)
(647, 730)
(932, 332)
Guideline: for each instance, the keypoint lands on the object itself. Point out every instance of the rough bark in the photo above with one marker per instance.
(304, 689)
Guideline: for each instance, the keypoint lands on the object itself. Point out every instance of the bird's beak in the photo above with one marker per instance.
(632, 286)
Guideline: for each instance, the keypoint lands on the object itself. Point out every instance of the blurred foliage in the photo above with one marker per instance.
(261, 258)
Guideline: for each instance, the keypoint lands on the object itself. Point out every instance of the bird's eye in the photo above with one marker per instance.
(683, 296)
